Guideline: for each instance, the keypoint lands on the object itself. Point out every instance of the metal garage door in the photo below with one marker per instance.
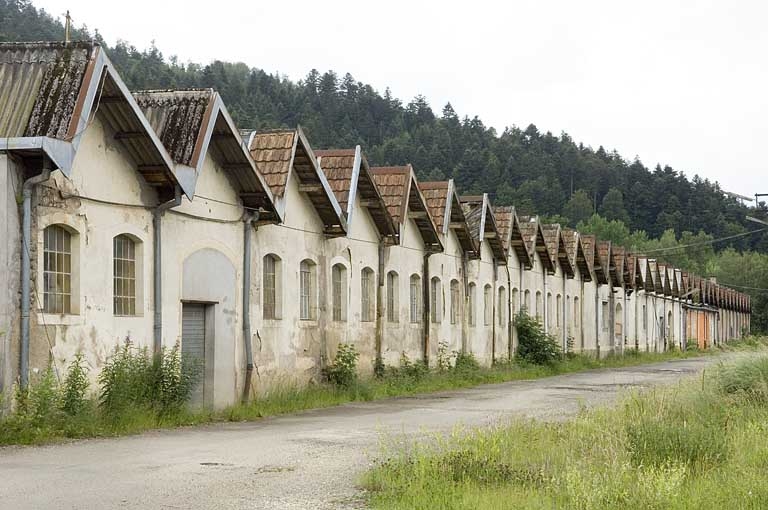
(193, 344)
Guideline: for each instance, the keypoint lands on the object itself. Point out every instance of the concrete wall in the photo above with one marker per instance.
(203, 263)
(10, 268)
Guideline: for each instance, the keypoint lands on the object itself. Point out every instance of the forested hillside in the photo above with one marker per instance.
(540, 173)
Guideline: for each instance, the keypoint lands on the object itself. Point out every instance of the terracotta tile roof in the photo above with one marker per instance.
(399, 188)
(338, 166)
(482, 225)
(575, 251)
(620, 262)
(436, 195)
(177, 118)
(509, 230)
(533, 236)
(551, 238)
(39, 87)
(273, 151)
(444, 206)
(592, 252)
(393, 183)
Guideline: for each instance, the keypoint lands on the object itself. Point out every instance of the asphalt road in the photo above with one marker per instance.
(310, 460)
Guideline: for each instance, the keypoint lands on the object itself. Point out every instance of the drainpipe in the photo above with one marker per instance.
(564, 305)
(426, 307)
(493, 311)
(510, 347)
(581, 313)
(248, 227)
(157, 215)
(598, 312)
(465, 283)
(544, 301)
(379, 340)
(26, 270)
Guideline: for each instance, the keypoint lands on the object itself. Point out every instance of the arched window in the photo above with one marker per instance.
(307, 290)
(527, 301)
(415, 296)
(455, 302)
(559, 311)
(670, 328)
(57, 270)
(515, 305)
(368, 291)
(472, 294)
(272, 300)
(436, 301)
(576, 314)
(550, 319)
(339, 287)
(124, 275)
(503, 304)
(539, 304)
(619, 323)
(393, 297)
(487, 305)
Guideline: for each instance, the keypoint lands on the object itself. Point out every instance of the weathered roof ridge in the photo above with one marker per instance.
(400, 189)
(533, 235)
(49, 92)
(511, 235)
(482, 224)
(348, 174)
(445, 208)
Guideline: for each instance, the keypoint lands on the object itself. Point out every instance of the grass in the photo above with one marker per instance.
(289, 398)
(699, 444)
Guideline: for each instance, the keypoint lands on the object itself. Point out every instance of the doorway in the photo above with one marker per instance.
(196, 348)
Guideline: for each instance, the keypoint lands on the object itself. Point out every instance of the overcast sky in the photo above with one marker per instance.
(673, 82)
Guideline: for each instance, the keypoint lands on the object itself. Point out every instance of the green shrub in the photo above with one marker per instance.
(135, 379)
(748, 377)
(74, 399)
(444, 357)
(41, 399)
(343, 371)
(466, 364)
(534, 345)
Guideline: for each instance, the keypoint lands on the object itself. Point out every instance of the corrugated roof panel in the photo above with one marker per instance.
(39, 87)
(177, 118)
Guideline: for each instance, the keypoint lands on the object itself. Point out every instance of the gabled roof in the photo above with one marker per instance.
(622, 268)
(285, 154)
(653, 270)
(445, 208)
(511, 235)
(533, 236)
(192, 123)
(400, 190)
(556, 246)
(633, 267)
(576, 253)
(591, 252)
(686, 287)
(348, 174)
(676, 282)
(482, 225)
(665, 279)
(605, 252)
(50, 93)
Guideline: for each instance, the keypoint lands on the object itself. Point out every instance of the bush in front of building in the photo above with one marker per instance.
(343, 371)
(534, 344)
(135, 379)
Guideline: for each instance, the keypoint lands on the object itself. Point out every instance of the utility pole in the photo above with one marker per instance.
(67, 27)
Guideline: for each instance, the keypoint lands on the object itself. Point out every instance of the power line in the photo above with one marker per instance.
(743, 287)
(704, 243)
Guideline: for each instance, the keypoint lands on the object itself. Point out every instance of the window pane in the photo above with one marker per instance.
(124, 265)
(56, 270)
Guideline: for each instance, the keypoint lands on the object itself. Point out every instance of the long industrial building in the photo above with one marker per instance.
(150, 217)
